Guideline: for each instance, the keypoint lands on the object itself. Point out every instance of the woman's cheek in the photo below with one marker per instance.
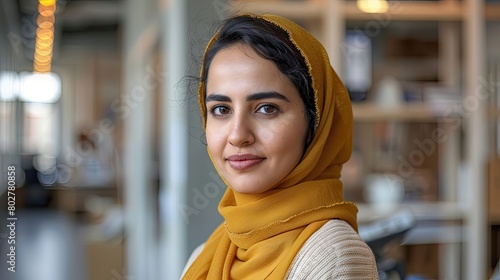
(215, 140)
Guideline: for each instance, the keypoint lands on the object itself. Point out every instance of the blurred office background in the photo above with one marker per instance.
(98, 115)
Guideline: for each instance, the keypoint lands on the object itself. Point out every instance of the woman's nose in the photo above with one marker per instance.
(241, 132)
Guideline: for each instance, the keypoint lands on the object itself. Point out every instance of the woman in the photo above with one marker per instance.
(278, 123)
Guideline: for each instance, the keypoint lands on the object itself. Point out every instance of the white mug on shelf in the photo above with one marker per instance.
(384, 190)
(389, 93)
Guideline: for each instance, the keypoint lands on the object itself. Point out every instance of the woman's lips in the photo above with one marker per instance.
(242, 162)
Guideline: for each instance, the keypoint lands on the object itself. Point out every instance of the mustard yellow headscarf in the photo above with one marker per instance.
(262, 233)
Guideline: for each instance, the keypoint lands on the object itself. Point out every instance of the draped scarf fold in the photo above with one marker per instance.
(262, 233)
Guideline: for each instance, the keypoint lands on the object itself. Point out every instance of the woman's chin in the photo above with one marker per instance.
(249, 189)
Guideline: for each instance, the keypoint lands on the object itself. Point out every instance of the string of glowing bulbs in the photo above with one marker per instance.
(44, 42)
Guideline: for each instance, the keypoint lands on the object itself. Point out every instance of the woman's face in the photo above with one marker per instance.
(256, 126)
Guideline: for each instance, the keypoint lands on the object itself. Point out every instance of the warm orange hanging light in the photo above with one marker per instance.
(372, 6)
(47, 2)
(47, 10)
(44, 42)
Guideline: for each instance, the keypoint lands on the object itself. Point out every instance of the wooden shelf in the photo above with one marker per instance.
(445, 211)
(297, 10)
(410, 11)
(492, 11)
(434, 234)
(494, 219)
(420, 112)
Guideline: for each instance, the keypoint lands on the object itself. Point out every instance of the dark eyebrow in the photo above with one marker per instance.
(217, 98)
(252, 97)
(266, 95)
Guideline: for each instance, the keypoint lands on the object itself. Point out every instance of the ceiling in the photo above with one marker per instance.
(84, 24)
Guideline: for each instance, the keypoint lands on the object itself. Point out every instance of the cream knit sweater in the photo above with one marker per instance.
(335, 251)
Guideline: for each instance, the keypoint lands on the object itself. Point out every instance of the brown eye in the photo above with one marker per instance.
(220, 110)
(267, 109)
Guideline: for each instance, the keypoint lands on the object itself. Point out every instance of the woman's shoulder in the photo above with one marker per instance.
(196, 252)
(335, 251)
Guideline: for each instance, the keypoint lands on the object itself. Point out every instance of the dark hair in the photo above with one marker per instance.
(272, 43)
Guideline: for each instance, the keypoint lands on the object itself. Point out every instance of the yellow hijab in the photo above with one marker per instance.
(262, 233)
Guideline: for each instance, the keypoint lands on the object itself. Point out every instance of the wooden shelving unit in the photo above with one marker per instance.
(445, 10)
